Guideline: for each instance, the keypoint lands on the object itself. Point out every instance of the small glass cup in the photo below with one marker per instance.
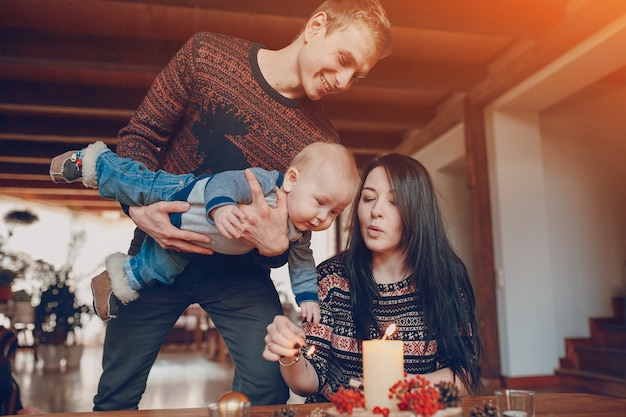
(229, 409)
(515, 403)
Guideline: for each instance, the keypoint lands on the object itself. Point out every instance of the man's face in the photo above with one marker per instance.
(331, 64)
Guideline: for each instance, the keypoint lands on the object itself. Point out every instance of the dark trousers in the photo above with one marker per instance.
(241, 300)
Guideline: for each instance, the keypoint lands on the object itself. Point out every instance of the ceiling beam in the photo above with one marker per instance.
(387, 73)
(179, 19)
(512, 69)
(519, 63)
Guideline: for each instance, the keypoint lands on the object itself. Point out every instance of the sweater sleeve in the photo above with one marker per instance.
(302, 272)
(231, 187)
(161, 111)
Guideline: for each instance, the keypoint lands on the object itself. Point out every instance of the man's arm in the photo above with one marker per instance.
(160, 113)
(265, 228)
(226, 191)
(149, 130)
(155, 221)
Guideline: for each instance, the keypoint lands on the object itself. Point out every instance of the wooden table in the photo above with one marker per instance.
(547, 405)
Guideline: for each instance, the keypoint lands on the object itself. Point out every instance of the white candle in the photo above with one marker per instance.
(383, 366)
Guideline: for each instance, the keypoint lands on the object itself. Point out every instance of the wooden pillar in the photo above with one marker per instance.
(484, 279)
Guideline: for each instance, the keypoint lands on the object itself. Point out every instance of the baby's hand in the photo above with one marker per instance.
(229, 220)
(310, 311)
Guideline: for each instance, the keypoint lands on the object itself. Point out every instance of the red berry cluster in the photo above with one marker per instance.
(347, 399)
(383, 411)
(416, 395)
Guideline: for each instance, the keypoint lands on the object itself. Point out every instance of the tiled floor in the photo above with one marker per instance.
(180, 378)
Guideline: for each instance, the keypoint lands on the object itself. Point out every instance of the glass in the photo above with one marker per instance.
(515, 403)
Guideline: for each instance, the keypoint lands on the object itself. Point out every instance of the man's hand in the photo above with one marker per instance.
(265, 227)
(154, 220)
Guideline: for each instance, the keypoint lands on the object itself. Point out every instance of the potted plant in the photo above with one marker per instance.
(58, 318)
(58, 324)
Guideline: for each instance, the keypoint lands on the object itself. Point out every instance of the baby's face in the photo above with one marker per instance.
(316, 199)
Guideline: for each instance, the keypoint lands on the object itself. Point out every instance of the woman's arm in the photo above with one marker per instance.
(282, 344)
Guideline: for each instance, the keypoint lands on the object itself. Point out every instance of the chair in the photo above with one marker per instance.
(23, 324)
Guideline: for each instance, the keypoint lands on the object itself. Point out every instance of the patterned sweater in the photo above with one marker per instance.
(338, 355)
(210, 110)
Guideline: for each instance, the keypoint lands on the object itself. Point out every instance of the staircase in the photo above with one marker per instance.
(598, 364)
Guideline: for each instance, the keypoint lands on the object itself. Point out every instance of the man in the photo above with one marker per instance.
(223, 104)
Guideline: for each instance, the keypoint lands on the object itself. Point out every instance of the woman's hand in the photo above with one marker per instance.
(154, 220)
(283, 340)
(282, 343)
(265, 227)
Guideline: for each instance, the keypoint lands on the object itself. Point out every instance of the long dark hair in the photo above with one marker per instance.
(448, 299)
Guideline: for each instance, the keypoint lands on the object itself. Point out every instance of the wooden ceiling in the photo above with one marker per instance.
(72, 71)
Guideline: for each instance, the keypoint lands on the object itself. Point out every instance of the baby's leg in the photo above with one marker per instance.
(121, 179)
(126, 275)
(112, 281)
(75, 165)
(154, 265)
(130, 182)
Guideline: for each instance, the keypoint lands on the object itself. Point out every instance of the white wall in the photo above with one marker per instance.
(528, 333)
(559, 182)
(445, 161)
(584, 144)
(559, 213)
(556, 149)
(557, 155)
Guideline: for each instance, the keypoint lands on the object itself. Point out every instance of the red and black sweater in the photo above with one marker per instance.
(211, 110)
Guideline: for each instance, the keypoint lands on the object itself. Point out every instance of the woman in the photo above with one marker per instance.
(399, 268)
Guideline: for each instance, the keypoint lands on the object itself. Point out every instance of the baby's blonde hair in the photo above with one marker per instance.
(335, 157)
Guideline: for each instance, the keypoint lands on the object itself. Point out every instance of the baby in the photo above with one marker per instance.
(320, 182)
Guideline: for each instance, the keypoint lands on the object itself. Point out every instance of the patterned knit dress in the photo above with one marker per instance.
(338, 354)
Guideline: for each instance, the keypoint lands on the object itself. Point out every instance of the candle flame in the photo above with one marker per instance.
(310, 351)
(390, 330)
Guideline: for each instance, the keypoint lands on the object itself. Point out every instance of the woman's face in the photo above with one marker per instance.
(379, 218)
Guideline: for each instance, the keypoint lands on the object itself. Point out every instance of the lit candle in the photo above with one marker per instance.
(310, 351)
(390, 330)
(383, 366)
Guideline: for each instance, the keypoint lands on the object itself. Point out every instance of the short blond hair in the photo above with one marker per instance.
(369, 13)
(328, 156)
